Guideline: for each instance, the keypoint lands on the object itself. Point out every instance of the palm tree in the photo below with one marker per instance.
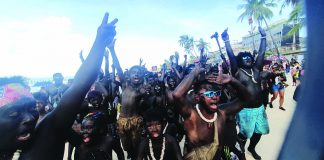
(259, 10)
(289, 2)
(187, 43)
(201, 44)
(296, 16)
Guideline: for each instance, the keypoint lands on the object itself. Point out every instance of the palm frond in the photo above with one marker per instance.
(295, 13)
(295, 29)
(243, 16)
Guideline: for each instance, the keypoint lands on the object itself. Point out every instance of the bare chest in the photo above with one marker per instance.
(130, 97)
(199, 132)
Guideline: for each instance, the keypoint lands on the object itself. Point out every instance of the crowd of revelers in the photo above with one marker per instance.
(144, 113)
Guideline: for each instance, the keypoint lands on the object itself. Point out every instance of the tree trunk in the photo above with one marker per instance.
(273, 42)
(252, 36)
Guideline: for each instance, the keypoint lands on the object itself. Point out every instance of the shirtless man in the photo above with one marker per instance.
(56, 90)
(247, 71)
(157, 145)
(204, 122)
(46, 140)
(130, 120)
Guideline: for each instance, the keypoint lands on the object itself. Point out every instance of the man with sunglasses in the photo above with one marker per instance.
(252, 120)
(204, 116)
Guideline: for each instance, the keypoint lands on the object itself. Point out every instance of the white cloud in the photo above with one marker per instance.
(41, 47)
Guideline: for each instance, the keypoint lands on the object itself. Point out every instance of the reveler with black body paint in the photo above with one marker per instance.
(247, 71)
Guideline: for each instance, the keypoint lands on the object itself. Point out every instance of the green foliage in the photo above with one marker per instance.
(191, 46)
(187, 43)
(296, 17)
(289, 2)
(268, 53)
(227, 152)
(257, 9)
(202, 44)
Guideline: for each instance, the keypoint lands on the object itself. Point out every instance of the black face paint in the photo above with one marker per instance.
(17, 123)
(157, 89)
(136, 75)
(247, 60)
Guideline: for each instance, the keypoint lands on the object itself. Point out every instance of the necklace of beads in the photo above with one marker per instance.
(162, 151)
(209, 121)
(250, 75)
(166, 126)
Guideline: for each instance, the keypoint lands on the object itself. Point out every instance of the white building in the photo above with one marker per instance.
(278, 31)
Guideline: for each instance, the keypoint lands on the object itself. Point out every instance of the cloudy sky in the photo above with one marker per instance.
(39, 38)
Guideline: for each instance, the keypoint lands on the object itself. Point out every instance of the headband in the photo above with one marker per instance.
(12, 92)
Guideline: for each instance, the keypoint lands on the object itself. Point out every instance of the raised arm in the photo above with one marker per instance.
(243, 94)
(81, 56)
(176, 56)
(113, 73)
(184, 62)
(230, 52)
(106, 55)
(179, 94)
(70, 104)
(262, 48)
(174, 69)
(140, 62)
(162, 72)
(116, 62)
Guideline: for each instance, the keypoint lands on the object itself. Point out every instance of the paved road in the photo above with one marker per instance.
(269, 146)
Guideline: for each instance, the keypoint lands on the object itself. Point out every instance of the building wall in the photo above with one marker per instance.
(278, 30)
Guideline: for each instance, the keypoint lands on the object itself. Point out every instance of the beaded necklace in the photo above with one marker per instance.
(162, 151)
(250, 75)
(209, 121)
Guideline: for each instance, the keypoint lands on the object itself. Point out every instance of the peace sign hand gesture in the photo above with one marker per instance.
(106, 31)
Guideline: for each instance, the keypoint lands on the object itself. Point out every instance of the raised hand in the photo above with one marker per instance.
(198, 69)
(262, 32)
(222, 78)
(164, 66)
(225, 36)
(176, 56)
(141, 61)
(171, 58)
(106, 31)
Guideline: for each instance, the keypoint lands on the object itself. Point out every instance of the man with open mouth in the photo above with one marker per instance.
(204, 116)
